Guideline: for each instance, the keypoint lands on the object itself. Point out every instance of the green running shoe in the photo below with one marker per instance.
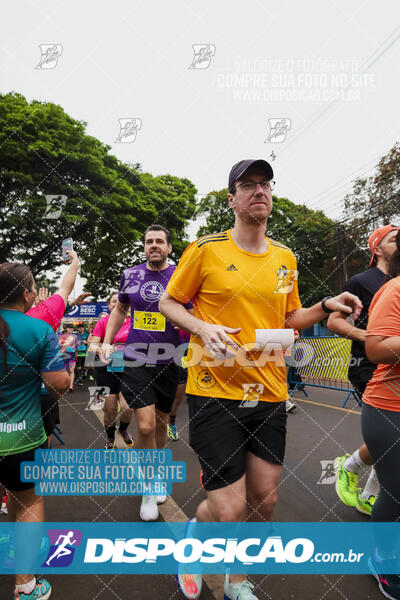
(365, 506)
(172, 433)
(346, 482)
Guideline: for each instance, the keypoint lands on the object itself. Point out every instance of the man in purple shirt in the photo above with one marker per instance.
(150, 378)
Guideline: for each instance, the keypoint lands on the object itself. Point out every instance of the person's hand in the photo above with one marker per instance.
(81, 299)
(105, 352)
(217, 340)
(346, 303)
(43, 294)
(72, 257)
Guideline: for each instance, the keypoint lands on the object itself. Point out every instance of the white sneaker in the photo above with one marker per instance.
(148, 508)
(161, 498)
(290, 406)
(238, 591)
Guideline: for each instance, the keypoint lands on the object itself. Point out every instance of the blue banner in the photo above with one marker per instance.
(155, 548)
(88, 310)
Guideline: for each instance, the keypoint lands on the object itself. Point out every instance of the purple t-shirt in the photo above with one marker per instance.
(151, 339)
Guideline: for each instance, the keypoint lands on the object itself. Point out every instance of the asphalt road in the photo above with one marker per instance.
(318, 431)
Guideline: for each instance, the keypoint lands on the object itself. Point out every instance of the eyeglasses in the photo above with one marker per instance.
(251, 186)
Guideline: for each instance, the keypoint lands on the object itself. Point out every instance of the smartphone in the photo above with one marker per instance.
(66, 244)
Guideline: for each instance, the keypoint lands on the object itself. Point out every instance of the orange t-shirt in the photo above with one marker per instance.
(383, 390)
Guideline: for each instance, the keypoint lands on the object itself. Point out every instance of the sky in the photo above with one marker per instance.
(310, 86)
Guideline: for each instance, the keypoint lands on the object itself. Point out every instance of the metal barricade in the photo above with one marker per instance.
(321, 362)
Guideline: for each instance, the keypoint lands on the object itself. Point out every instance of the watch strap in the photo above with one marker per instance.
(324, 307)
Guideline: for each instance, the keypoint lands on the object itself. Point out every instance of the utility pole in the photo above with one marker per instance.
(341, 256)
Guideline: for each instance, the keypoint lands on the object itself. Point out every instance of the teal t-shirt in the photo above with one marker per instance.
(81, 349)
(32, 348)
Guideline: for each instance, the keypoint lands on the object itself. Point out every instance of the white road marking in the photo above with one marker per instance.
(172, 513)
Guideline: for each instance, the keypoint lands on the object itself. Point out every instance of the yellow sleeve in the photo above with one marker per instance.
(293, 301)
(187, 277)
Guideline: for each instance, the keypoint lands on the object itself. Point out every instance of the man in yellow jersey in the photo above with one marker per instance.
(240, 281)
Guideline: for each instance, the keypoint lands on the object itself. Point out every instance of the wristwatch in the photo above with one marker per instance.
(324, 307)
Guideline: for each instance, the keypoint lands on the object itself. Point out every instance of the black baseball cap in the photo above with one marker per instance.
(242, 166)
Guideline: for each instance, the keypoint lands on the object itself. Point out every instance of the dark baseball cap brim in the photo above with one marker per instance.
(241, 167)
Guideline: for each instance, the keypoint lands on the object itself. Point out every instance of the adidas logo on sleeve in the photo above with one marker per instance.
(232, 268)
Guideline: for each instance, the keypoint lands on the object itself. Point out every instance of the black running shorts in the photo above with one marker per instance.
(222, 431)
(145, 385)
(80, 362)
(10, 469)
(182, 375)
(110, 379)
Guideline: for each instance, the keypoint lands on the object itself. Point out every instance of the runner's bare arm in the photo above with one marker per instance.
(215, 337)
(115, 322)
(68, 281)
(56, 382)
(94, 343)
(338, 323)
(305, 317)
(381, 349)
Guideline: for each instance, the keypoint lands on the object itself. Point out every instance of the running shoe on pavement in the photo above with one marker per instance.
(110, 444)
(161, 498)
(190, 584)
(388, 584)
(41, 591)
(365, 506)
(238, 591)
(128, 439)
(148, 508)
(172, 433)
(346, 482)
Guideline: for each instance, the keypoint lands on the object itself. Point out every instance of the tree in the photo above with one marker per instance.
(108, 204)
(308, 233)
(373, 202)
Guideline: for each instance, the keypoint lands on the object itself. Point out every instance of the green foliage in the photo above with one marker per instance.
(219, 214)
(373, 202)
(43, 151)
(308, 233)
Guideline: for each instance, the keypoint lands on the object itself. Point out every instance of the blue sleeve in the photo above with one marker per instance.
(122, 296)
(51, 358)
